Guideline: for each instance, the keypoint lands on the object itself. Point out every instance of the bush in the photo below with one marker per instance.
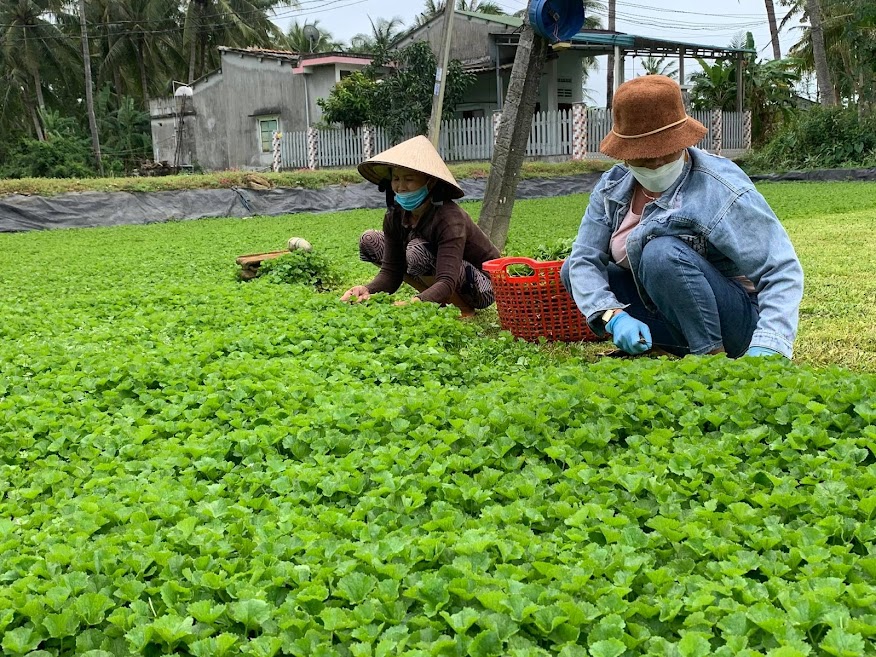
(819, 138)
(303, 268)
(63, 156)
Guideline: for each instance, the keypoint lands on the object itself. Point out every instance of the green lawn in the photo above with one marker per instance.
(198, 466)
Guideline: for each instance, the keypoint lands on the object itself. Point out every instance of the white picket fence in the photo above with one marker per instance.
(553, 134)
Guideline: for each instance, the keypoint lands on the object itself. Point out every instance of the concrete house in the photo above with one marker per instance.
(230, 116)
(486, 45)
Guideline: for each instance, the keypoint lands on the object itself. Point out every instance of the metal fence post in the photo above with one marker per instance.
(312, 148)
(579, 131)
(717, 121)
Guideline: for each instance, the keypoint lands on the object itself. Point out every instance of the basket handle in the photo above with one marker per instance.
(502, 264)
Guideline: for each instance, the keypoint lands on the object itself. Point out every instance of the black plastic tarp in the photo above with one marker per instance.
(87, 209)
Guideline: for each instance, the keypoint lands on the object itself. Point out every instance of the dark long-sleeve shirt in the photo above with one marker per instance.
(451, 236)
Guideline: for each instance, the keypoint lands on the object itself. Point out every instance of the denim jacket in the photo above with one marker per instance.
(715, 208)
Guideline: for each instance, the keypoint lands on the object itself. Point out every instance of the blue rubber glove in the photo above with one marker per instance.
(761, 351)
(629, 334)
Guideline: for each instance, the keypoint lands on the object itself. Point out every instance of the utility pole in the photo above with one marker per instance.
(441, 76)
(513, 135)
(609, 86)
(89, 93)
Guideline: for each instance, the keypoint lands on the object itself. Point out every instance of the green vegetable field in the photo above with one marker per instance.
(194, 465)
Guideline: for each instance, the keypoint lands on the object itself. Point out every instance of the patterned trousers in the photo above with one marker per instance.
(476, 289)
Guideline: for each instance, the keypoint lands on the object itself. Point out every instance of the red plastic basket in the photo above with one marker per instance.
(536, 306)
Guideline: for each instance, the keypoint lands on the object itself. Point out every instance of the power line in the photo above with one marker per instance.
(305, 7)
(337, 4)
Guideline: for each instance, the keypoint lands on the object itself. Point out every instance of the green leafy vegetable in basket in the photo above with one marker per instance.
(520, 270)
(557, 250)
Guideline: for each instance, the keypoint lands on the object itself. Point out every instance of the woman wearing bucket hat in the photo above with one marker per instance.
(677, 249)
(427, 240)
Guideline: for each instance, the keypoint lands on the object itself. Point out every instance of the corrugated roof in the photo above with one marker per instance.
(283, 55)
(602, 41)
(510, 21)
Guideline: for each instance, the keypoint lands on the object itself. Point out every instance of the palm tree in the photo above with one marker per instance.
(479, 7)
(33, 47)
(847, 28)
(236, 23)
(296, 39)
(660, 66)
(433, 7)
(822, 70)
(384, 34)
(774, 30)
(89, 88)
(142, 43)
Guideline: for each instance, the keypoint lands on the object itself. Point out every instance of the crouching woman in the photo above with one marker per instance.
(427, 240)
(677, 249)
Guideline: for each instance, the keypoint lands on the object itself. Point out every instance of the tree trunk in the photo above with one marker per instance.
(38, 84)
(513, 136)
(115, 71)
(774, 30)
(822, 72)
(195, 33)
(609, 78)
(34, 116)
(193, 53)
(144, 80)
(40, 106)
(89, 92)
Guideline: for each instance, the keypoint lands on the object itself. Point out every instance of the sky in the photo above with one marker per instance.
(691, 21)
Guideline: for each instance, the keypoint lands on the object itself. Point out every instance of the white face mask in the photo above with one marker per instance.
(661, 178)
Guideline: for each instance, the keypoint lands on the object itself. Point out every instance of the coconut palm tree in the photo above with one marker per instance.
(36, 51)
(236, 23)
(479, 7)
(383, 35)
(142, 44)
(774, 30)
(432, 7)
(296, 39)
(819, 53)
(660, 66)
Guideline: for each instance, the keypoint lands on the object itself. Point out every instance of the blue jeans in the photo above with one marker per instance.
(698, 308)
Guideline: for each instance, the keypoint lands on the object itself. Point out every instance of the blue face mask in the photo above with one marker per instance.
(412, 200)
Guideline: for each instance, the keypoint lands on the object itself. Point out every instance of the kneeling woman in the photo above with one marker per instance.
(427, 240)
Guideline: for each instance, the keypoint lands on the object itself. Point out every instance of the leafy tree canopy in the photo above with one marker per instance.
(395, 91)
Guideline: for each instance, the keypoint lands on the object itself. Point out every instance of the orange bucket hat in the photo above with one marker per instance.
(650, 120)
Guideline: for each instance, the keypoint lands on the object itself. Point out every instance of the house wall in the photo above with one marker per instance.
(320, 83)
(210, 121)
(471, 37)
(482, 94)
(251, 87)
(168, 128)
(163, 138)
(561, 82)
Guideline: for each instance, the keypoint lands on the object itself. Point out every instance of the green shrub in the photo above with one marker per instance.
(819, 138)
(303, 268)
(62, 156)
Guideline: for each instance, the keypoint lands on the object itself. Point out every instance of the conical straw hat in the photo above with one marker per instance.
(417, 154)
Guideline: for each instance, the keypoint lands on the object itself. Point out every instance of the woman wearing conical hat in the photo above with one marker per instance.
(677, 249)
(427, 240)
